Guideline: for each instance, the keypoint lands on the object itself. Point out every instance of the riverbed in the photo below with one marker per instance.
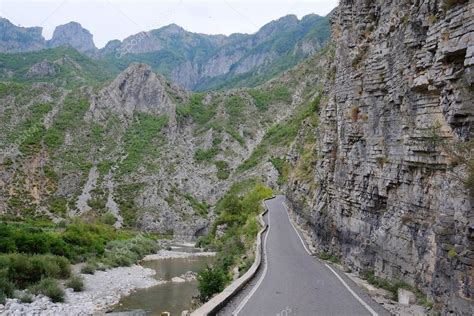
(176, 294)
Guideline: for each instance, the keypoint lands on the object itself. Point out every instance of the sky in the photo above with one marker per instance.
(117, 19)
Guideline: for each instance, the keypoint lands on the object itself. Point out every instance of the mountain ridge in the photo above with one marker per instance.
(195, 60)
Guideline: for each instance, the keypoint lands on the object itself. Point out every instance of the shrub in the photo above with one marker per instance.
(76, 283)
(49, 287)
(6, 287)
(89, 267)
(26, 298)
(210, 282)
(223, 171)
(25, 270)
(127, 252)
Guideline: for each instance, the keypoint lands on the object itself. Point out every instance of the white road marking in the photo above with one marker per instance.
(372, 312)
(352, 292)
(297, 233)
(265, 267)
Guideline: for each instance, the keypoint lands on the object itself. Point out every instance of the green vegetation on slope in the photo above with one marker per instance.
(139, 140)
(72, 68)
(237, 211)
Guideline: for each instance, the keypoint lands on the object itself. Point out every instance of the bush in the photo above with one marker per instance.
(89, 268)
(76, 283)
(210, 282)
(6, 287)
(127, 252)
(26, 298)
(25, 270)
(49, 287)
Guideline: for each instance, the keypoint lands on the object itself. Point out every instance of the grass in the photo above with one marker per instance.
(199, 207)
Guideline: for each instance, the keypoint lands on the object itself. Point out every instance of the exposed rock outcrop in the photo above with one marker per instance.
(15, 39)
(42, 69)
(390, 192)
(74, 35)
(137, 89)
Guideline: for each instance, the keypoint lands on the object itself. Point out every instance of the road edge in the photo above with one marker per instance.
(217, 302)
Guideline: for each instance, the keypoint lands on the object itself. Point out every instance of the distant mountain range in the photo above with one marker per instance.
(196, 61)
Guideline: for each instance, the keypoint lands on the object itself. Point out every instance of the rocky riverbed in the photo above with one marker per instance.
(102, 290)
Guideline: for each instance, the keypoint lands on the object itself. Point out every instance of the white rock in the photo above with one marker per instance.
(406, 297)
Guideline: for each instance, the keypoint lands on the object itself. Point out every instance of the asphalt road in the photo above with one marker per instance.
(292, 282)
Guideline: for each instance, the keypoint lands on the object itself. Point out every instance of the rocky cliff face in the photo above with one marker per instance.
(390, 185)
(74, 35)
(14, 39)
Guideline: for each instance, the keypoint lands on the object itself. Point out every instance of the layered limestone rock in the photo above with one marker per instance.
(391, 188)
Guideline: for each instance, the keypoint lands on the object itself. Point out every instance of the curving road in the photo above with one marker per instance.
(292, 282)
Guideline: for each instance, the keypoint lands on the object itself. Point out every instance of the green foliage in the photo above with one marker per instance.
(238, 210)
(23, 270)
(195, 108)
(199, 207)
(280, 134)
(108, 219)
(6, 286)
(263, 98)
(89, 267)
(76, 283)
(235, 106)
(385, 284)
(49, 287)
(452, 253)
(125, 198)
(53, 138)
(206, 155)
(329, 257)
(283, 168)
(138, 139)
(210, 282)
(58, 206)
(223, 171)
(26, 298)
(448, 4)
(68, 74)
(127, 252)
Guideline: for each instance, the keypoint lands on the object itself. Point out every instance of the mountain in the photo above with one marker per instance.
(202, 62)
(195, 61)
(151, 153)
(74, 35)
(63, 66)
(15, 39)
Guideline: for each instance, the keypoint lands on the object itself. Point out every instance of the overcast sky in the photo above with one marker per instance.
(117, 19)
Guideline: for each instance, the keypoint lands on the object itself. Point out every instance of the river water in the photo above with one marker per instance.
(173, 297)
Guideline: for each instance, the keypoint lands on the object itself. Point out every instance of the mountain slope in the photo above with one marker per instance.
(150, 153)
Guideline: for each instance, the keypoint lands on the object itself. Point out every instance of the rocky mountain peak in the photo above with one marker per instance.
(75, 35)
(136, 89)
(15, 39)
